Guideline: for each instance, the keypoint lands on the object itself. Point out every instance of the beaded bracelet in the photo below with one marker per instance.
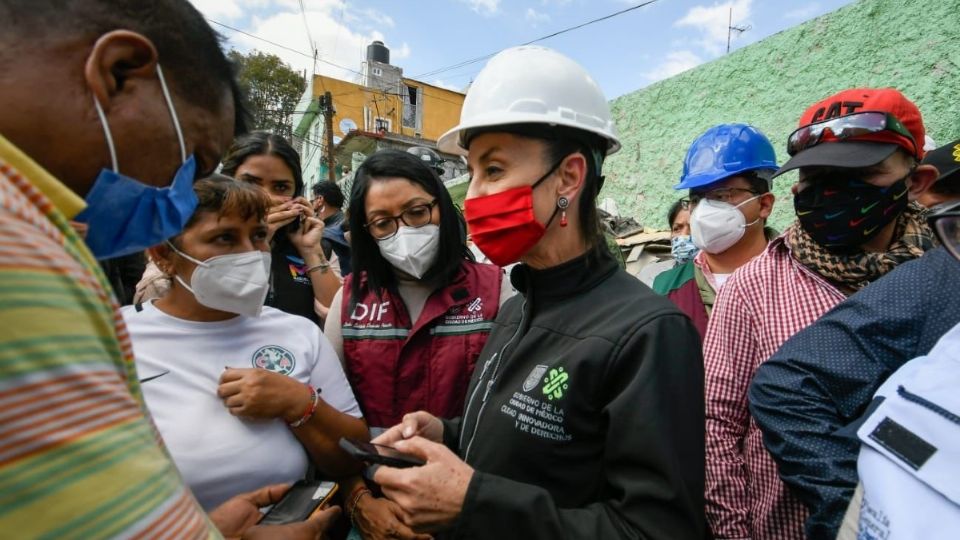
(312, 408)
(356, 500)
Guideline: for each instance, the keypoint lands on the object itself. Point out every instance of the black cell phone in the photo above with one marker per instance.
(379, 454)
(300, 502)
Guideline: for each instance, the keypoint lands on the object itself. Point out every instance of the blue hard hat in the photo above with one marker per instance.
(723, 151)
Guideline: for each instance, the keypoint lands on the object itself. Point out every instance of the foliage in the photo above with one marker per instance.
(272, 89)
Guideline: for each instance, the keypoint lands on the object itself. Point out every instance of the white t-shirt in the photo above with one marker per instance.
(180, 363)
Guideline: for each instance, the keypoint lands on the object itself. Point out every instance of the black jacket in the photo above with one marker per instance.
(585, 415)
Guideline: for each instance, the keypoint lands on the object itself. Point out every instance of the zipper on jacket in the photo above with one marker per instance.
(489, 383)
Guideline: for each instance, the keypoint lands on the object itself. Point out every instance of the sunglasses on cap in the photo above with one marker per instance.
(946, 224)
(844, 127)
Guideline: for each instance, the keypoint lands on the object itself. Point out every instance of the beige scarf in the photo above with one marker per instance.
(854, 271)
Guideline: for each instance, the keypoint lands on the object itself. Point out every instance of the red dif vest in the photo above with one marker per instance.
(397, 368)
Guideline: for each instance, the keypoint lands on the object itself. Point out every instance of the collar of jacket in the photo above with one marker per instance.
(333, 219)
(571, 278)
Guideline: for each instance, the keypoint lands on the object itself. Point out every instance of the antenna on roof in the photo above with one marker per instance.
(731, 29)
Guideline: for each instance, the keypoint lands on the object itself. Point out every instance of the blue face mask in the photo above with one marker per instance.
(683, 249)
(124, 215)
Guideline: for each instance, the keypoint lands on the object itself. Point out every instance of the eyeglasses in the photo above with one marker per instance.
(946, 224)
(724, 195)
(415, 216)
(844, 127)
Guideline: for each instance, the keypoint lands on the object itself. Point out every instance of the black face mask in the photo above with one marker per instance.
(841, 215)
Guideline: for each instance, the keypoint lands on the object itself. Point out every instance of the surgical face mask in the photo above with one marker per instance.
(683, 249)
(717, 226)
(412, 250)
(125, 215)
(503, 225)
(236, 283)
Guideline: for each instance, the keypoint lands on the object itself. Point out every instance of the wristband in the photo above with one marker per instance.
(356, 500)
(311, 408)
(323, 267)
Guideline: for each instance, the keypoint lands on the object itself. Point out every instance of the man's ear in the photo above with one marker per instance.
(162, 256)
(767, 201)
(923, 177)
(572, 172)
(118, 61)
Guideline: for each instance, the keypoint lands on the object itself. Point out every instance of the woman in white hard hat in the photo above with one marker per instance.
(584, 418)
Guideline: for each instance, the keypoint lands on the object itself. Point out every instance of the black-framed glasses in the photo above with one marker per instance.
(416, 216)
(724, 195)
(946, 224)
(844, 127)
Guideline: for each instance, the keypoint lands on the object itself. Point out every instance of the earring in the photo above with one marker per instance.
(562, 204)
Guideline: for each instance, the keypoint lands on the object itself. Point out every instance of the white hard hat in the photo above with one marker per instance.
(533, 85)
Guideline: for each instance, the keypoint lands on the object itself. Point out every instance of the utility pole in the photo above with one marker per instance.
(327, 105)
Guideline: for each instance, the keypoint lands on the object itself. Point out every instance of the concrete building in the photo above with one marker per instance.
(383, 110)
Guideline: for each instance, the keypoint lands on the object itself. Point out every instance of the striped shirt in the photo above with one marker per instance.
(763, 304)
(78, 456)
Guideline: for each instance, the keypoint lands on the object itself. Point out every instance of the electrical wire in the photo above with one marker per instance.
(531, 42)
(275, 44)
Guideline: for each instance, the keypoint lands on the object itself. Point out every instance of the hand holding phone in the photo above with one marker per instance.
(377, 454)
(301, 501)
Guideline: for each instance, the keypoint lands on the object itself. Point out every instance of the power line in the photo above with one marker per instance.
(315, 58)
(313, 44)
(548, 36)
(275, 44)
(306, 25)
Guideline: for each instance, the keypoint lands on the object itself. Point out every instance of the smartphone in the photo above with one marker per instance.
(301, 501)
(379, 454)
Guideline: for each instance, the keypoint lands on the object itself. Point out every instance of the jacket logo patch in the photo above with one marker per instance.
(274, 358)
(533, 379)
(472, 313)
(556, 384)
(475, 306)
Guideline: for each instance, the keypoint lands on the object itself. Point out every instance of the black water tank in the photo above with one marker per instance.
(378, 52)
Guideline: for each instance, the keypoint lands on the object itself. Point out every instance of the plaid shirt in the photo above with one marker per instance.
(764, 303)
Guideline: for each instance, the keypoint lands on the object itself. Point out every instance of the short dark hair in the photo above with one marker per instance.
(330, 192)
(188, 48)
(366, 258)
(262, 143)
(675, 208)
(223, 195)
(759, 180)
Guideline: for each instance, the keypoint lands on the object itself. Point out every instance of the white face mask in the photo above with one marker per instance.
(412, 250)
(716, 226)
(236, 283)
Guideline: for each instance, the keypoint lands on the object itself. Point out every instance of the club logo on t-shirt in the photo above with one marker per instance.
(274, 358)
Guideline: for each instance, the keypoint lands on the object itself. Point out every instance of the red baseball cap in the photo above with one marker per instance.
(863, 150)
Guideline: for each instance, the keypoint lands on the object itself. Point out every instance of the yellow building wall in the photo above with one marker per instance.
(441, 110)
(441, 107)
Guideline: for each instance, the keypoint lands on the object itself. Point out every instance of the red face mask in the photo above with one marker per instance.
(502, 225)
